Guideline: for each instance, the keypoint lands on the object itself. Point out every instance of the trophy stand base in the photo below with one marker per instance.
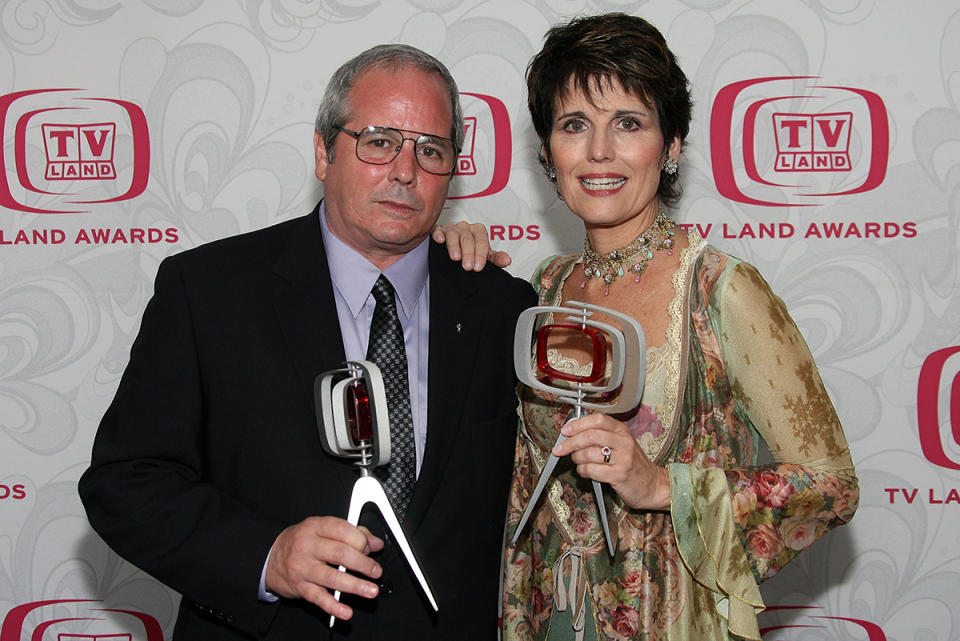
(367, 489)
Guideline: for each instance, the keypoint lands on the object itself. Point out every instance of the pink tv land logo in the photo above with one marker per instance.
(786, 141)
(812, 143)
(483, 167)
(80, 152)
(939, 387)
(847, 627)
(77, 620)
(63, 150)
(466, 166)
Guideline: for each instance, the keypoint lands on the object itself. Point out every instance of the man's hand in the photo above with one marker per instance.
(468, 243)
(305, 557)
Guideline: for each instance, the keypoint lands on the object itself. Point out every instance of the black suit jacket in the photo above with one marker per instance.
(210, 447)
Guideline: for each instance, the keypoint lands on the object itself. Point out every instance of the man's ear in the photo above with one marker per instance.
(320, 151)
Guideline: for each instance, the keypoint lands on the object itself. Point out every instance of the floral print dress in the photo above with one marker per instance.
(734, 371)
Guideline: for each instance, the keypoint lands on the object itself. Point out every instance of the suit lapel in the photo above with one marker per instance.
(306, 312)
(454, 338)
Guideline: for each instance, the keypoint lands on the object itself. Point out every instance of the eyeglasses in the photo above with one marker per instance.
(380, 145)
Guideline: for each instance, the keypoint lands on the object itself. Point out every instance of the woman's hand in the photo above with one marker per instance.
(641, 484)
(468, 243)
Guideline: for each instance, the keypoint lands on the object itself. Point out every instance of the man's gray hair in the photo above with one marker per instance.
(334, 109)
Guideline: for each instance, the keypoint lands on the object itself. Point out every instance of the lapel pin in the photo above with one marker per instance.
(459, 327)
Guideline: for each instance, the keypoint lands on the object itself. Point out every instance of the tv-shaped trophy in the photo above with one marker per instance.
(353, 422)
(614, 383)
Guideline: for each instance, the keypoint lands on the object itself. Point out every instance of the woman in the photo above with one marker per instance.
(698, 523)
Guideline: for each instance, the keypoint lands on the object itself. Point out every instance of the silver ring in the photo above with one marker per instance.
(606, 451)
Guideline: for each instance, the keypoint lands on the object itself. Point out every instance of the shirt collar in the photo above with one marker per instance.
(354, 276)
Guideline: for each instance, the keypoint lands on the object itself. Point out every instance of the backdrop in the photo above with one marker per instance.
(825, 149)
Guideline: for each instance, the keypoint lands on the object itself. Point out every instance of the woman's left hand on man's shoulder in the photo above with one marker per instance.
(470, 244)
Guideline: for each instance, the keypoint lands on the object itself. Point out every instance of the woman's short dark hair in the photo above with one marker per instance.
(606, 48)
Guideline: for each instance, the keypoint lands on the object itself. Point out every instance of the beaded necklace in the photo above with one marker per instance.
(610, 265)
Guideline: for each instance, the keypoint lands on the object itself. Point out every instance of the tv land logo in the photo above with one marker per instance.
(80, 152)
(77, 620)
(63, 150)
(848, 627)
(787, 141)
(483, 167)
(938, 387)
(812, 143)
(465, 163)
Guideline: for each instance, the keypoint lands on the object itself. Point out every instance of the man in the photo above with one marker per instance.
(207, 468)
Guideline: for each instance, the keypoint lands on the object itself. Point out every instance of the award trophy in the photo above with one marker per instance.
(584, 392)
(352, 405)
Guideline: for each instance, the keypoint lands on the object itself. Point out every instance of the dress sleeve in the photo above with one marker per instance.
(543, 278)
(747, 518)
(780, 508)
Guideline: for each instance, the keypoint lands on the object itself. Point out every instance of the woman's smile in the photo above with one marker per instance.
(603, 184)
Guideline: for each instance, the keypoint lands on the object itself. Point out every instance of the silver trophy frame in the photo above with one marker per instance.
(626, 373)
(331, 397)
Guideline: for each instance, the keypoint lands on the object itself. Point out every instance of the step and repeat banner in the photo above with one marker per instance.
(825, 149)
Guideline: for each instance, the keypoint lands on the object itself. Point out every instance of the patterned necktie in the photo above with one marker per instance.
(386, 349)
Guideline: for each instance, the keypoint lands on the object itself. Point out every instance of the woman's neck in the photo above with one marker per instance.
(607, 238)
